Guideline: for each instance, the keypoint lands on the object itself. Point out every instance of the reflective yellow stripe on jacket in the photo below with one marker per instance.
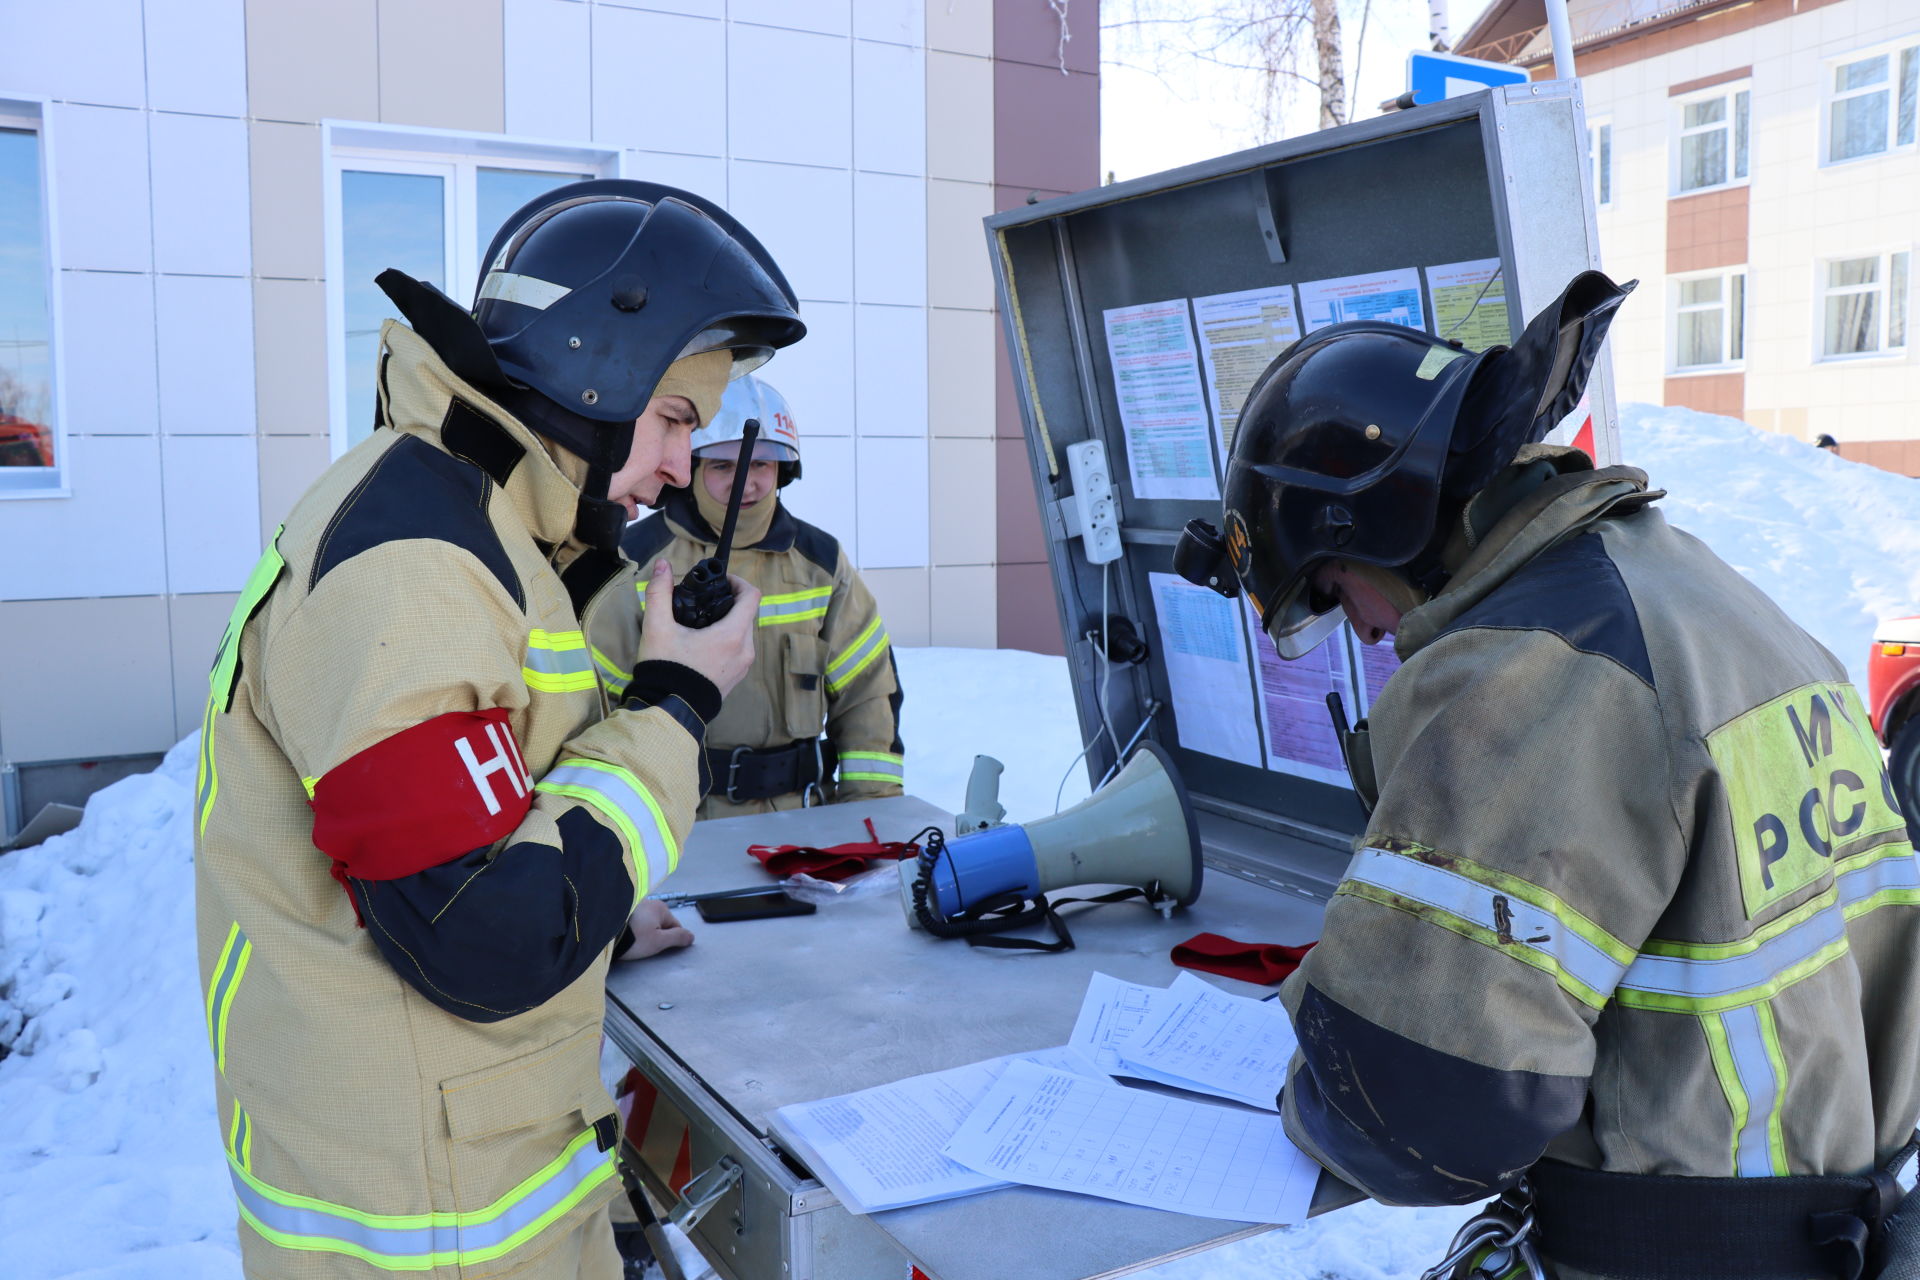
(1729, 987)
(857, 657)
(790, 606)
(872, 766)
(422, 1241)
(558, 662)
(227, 973)
(621, 798)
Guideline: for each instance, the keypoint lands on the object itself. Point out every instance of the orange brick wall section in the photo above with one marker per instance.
(1722, 393)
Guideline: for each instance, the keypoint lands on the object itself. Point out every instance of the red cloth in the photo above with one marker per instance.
(834, 862)
(1266, 963)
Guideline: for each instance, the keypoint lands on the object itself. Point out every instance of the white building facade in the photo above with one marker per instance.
(196, 194)
(1757, 168)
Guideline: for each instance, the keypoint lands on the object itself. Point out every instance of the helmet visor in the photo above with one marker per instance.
(1302, 619)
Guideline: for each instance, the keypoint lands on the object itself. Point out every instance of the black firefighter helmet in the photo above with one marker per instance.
(1363, 440)
(589, 292)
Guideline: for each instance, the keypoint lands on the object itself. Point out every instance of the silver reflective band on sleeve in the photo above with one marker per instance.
(1772, 960)
(866, 646)
(421, 1241)
(528, 291)
(625, 802)
(1560, 947)
(872, 766)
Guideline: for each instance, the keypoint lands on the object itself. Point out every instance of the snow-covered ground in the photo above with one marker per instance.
(110, 1162)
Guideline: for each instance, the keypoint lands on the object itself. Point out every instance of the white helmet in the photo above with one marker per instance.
(750, 397)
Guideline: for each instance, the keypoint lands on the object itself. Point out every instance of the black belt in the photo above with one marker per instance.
(1648, 1227)
(747, 773)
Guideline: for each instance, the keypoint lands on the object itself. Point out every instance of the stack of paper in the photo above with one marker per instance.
(1048, 1128)
(880, 1148)
(1051, 1118)
(1191, 1035)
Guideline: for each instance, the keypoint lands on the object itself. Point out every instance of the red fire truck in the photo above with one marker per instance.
(1893, 700)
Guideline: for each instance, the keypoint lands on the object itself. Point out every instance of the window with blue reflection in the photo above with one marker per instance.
(386, 220)
(497, 194)
(27, 435)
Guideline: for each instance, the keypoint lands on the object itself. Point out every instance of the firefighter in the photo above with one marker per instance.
(818, 718)
(421, 826)
(1634, 917)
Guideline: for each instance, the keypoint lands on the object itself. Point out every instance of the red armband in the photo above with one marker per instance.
(425, 796)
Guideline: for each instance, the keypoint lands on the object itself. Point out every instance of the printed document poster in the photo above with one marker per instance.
(1293, 707)
(1206, 656)
(1156, 380)
(1389, 296)
(1470, 303)
(1240, 335)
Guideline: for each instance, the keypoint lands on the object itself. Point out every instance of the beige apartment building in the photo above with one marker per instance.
(1755, 166)
(196, 194)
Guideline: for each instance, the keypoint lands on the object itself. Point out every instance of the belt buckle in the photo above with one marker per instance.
(733, 774)
(815, 792)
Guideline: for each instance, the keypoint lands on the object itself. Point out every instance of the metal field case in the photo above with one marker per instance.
(763, 1013)
(1137, 317)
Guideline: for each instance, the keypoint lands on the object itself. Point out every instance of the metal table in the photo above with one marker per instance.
(759, 1014)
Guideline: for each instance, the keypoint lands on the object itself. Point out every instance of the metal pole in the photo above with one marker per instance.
(1561, 31)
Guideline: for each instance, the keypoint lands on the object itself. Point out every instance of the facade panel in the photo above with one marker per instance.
(190, 147)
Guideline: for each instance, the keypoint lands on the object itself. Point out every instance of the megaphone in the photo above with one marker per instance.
(1137, 831)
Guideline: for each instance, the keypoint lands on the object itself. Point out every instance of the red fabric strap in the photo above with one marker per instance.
(424, 796)
(833, 862)
(1262, 962)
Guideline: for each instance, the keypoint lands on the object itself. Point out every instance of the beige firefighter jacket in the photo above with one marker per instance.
(1635, 893)
(369, 1130)
(822, 658)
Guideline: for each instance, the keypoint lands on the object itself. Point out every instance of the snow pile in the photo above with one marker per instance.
(1835, 543)
(110, 1160)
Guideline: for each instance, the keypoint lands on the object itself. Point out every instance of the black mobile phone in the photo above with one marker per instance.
(759, 906)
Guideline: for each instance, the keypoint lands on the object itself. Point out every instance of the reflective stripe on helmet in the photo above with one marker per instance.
(528, 291)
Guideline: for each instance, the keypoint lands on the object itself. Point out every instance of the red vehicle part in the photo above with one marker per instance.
(1893, 702)
(24, 444)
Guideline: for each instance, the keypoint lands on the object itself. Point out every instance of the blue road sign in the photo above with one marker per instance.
(1433, 76)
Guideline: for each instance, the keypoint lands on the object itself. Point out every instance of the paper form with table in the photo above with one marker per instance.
(1163, 411)
(893, 1146)
(1205, 650)
(1047, 1128)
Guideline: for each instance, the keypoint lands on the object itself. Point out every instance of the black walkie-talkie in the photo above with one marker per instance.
(705, 595)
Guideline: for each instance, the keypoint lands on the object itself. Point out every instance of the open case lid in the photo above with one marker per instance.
(1138, 315)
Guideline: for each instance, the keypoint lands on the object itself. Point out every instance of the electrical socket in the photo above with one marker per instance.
(1094, 501)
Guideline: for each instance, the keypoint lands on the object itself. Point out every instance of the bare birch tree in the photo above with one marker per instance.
(1287, 45)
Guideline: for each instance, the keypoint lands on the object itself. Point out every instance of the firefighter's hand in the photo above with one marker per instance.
(722, 652)
(654, 930)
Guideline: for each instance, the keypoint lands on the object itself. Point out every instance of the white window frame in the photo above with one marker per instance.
(1680, 132)
(1891, 50)
(1728, 363)
(453, 155)
(30, 111)
(1883, 286)
(1594, 154)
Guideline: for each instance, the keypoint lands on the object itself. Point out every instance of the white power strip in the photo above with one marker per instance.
(1096, 511)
